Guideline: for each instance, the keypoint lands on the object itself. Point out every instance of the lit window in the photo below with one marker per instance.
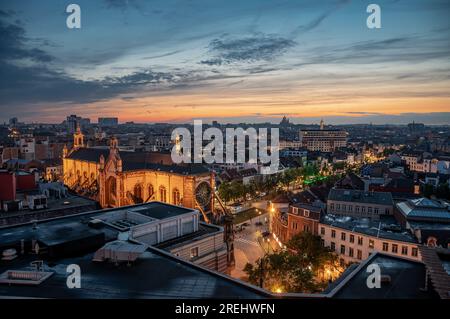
(194, 252)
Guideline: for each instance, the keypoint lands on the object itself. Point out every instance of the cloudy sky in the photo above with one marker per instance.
(231, 61)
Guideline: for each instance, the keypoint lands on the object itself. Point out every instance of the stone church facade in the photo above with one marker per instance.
(117, 178)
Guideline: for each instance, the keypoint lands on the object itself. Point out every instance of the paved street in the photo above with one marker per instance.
(246, 246)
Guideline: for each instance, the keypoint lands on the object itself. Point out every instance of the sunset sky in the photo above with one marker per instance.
(230, 61)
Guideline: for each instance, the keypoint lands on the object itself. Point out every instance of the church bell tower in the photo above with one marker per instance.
(78, 138)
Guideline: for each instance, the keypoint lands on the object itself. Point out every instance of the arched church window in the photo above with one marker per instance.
(162, 194)
(138, 192)
(151, 190)
(176, 197)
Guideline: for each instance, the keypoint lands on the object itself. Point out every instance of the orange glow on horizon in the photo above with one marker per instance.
(184, 108)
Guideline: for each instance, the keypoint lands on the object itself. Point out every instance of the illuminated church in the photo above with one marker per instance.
(117, 178)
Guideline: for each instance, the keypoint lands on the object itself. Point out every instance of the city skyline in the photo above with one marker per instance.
(232, 62)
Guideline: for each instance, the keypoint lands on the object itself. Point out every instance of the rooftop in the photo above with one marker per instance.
(139, 161)
(153, 275)
(75, 239)
(160, 210)
(424, 208)
(407, 280)
(358, 196)
(55, 207)
(437, 261)
(322, 130)
(76, 227)
(308, 207)
(386, 227)
(203, 229)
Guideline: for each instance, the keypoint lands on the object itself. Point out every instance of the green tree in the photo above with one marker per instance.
(300, 268)
(225, 192)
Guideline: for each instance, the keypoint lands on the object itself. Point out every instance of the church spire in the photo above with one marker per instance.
(322, 124)
(78, 138)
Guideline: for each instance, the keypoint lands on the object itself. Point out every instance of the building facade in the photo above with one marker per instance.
(355, 240)
(298, 218)
(361, 204)
(303, 218)
(118, 178)
(323, 140)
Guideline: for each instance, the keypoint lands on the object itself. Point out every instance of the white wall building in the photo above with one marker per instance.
(354, 240)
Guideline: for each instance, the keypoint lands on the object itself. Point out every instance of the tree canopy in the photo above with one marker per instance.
(305, 266)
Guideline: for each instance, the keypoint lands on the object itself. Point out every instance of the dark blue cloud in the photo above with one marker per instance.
(248, 49)
(41, 81)
(13, 43)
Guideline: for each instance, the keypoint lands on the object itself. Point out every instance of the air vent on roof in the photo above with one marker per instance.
(96, 223)
(9, 254)
(120, 251)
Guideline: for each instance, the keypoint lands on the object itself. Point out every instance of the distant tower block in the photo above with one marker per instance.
(322, 124)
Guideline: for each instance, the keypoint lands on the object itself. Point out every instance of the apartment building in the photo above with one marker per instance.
(360, 204)
(355, 239)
